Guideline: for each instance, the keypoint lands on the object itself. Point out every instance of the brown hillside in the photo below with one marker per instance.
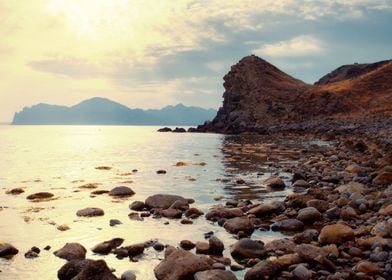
(258, 95)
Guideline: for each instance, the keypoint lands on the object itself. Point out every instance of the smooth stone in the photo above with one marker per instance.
(71, 251)
(202, 248)
(40, 195)
(274, 182)
(287, 225)
(351, 187)
(121, 191)
(367, 267)
(309, 215)
(193, 213)
(302, 273)
(187, 245)
(275, 207)
(106, 247)
(63, 227)
(7, 250)
(179, 264)
(335, 234)
(137, 206)
(128, 275)
(215, 274)
(310, 252)
(171, 213)
(283, 245)
(15, 191)
(383, 229)
(114, 222)
(262, 271)
(222, 212)
(85, 270)
(90, 212)
(320, 205)
(307, 236)
(384, 176)
(163, 201)
(235, 225)
(247, 249)
(216, 246)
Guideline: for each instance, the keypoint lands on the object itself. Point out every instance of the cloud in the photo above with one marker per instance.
(304, 45)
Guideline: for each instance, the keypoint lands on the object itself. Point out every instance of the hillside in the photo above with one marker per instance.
(260, 97)
(101, 111)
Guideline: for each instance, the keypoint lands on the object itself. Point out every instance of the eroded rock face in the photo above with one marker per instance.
(179, 264)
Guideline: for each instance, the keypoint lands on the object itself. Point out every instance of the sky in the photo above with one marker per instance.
(149, 53)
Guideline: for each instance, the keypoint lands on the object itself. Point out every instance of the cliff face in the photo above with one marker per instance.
(259, 96)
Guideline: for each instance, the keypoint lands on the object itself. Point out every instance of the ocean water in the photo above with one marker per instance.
(59, 159)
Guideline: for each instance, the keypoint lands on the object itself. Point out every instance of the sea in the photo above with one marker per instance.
(210, 168)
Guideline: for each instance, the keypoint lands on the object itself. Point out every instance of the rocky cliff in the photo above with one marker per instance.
(259, 97)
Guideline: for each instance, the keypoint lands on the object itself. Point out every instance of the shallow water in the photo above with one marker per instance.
(59, 159)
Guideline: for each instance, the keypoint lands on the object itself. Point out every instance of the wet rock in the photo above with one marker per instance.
(32, 253)
(263, 270)
(302, 273)
(15, 191)
(171, 213)
(202, 248)
(85, 270)
(179, 264)
(288, 225)
(307, 236)
(310, 252)
(163, 201)
(247, 248)
(114, 222)
(71, 251)
(103, 167)
(137, 206)
(40, 196)
(179, 130)
(348, 213)
(215, 274)
(335, 234)
(383, 229)
(262, 210)
(121, 191)
(135, 216)
(7, 250)
(193, 213)
(223, 212)
(161, 171)
(309, 215)
(128, 275)
(301, 184)
(384, 176)
(99, 192)
(158, 246)
(386, 210)
(133, 250)
(367, 267)
(63, 227)
(106, 247)
(235, 225)
(283, 245)
(351, 187)
(333, 213)
(320, 205)
(274, 182)
(287, 260)
(187, 245)
(216, 246)
(90, 212)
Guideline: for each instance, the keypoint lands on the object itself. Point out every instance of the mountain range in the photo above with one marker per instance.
(260, 97)
(102, 111)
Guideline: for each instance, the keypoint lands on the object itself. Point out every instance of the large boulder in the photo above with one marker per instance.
(235, 225)
(263, 270)
(335, 234)
(179, 264)
(71, 251)
(164, 201)
(85, 270)
(246, 248)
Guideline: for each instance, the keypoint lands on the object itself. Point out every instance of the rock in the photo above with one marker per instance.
(179, 264)
(216, 246)
(165, 129)
(31, 254)
(90, 212)
(40, 196)
(133, 250)
(103, 167)
(128, 275)
(235, 225)
(351, 187)
(307, 236)
(301, 184)
(302, 273)
(348, 213)
(384, 176)
(333, 213)
(222, 212)
(15, 191)
(320, 205)
(171, 213)
(71, 251)
(158, 246)
(137, 206)
(215, 274)
(275, 207)
(287, 260)
(193, 213)
(161, 171)
(114, 222)
(163, 201)
(106, 247)
(202, 248)
(187, 245)
(263, 270)
(354, 168)
(246, 248)
(121, 191)
(367, 267)
(310, 252)
(274, 182)
(63, 227)
(383, 229)
(386, 210)
(179, 130)
(7, 250)
(288, 225)
(336, 234)
(309, 215)
(284, 245)
(85, 270)
(135, 216)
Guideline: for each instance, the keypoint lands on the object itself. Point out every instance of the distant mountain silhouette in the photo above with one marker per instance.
(102, 111)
